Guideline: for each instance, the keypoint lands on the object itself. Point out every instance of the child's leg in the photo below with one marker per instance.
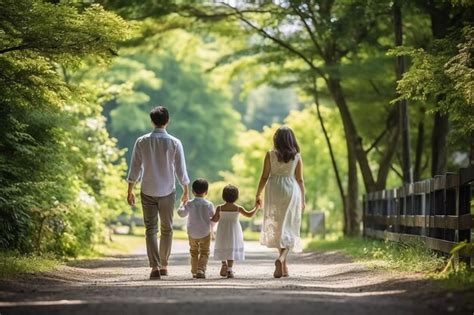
(204, 245)
(194, 251)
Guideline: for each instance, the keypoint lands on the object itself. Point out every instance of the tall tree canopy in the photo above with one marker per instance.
(58, 166)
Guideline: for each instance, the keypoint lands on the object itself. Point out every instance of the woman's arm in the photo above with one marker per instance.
(263, 179)
(299, 179)
(246, 213)
(216, 215)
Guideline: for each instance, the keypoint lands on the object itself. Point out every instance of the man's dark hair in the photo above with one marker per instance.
(160, 116)
(200, 186)
(230, 193)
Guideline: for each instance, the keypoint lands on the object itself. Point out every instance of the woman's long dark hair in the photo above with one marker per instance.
(285, 144)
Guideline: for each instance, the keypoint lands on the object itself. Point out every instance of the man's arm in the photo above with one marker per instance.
(181, 172)
(134, 173)
(130, 194)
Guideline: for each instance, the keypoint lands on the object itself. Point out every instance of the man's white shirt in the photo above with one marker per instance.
(157, 158)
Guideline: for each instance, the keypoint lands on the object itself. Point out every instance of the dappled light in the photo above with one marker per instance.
(292, 134)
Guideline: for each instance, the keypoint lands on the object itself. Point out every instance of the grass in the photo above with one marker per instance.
(12, 263)
(390, 256)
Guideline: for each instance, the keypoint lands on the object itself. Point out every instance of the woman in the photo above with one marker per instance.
(282, 178)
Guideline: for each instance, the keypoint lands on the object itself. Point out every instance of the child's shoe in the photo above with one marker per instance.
(200, 274)
(230, 274)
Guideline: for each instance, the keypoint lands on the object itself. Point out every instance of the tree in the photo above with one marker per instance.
(322, 37)
(53, 191)
(439, 78)
(201, 112)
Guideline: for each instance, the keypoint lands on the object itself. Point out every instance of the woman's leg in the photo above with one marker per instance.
(280, 263)
(230, 272)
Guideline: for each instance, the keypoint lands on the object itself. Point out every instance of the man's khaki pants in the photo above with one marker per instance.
(199, 249)
(152, 208)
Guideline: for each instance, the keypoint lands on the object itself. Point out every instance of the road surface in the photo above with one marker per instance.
(319, 283)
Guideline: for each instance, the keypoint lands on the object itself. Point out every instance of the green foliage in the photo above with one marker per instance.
(443, 75)
(201, 113)
(58, 163)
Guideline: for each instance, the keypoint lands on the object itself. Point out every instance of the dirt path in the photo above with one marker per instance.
(320, 283)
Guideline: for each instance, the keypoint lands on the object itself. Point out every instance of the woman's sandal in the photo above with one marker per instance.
(278, 269)
(223, 271)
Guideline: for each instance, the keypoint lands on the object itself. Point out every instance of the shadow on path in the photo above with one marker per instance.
(323, 283)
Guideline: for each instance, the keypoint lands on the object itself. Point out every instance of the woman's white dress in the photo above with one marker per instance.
(229, 244)
(282, 206)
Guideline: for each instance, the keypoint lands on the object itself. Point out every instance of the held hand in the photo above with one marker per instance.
(131, 199)
(184, 198)
(258, 202)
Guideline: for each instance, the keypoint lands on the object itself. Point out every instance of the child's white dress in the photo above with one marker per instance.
(282, 206)
(229, 244)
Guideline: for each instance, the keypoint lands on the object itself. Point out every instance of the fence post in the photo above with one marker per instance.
(466, 176)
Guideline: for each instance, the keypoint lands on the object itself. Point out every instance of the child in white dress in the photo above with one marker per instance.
(229, 244)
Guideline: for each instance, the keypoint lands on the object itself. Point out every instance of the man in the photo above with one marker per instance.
(156, 159)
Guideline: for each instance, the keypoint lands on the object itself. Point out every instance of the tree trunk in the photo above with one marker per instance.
(333, 159)
(440, 21)
(420, 143)
(403, 104)
(352, 193)
(438, 144)
(387, 157)
(350, 131)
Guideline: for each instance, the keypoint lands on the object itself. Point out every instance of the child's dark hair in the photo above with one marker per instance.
(285, 144)
(200, 186)
(160, 116)
(230, 193)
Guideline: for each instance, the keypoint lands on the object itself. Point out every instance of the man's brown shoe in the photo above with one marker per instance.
(155, 275)
(164, 272)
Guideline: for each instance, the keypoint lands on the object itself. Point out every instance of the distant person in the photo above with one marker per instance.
(156, 159)
(199, 212)
(229, 245)
(282, 178)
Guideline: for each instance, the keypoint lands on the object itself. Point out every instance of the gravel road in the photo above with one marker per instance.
(319, 283)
